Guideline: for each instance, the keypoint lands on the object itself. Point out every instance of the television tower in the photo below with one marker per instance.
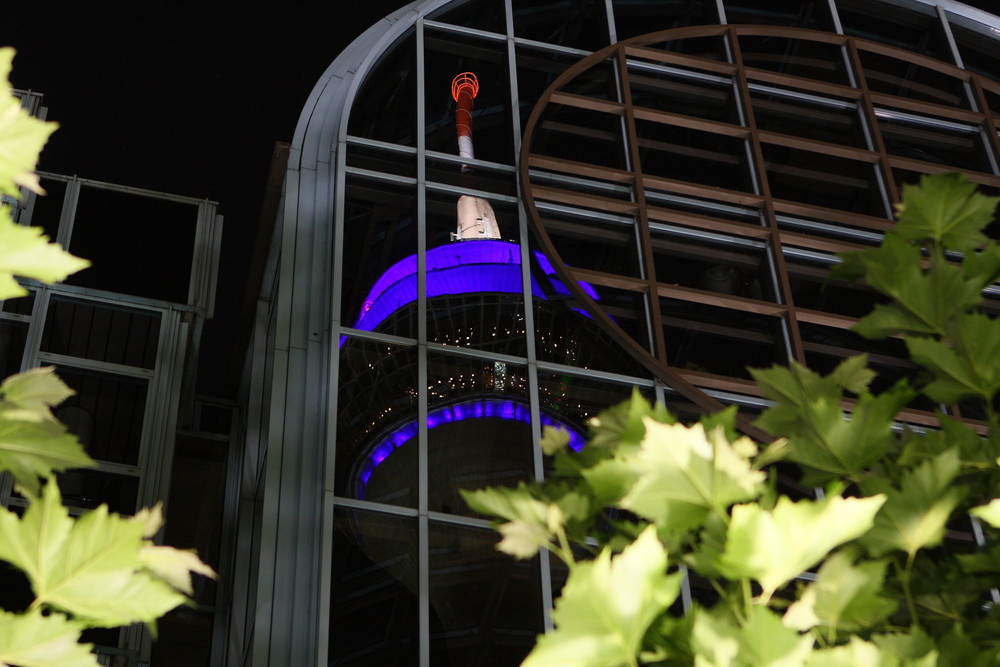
(476, 220)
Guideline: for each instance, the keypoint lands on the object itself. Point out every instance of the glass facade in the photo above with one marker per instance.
(667, 209)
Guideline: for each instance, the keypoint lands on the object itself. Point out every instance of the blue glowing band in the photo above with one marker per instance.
(482, 408)
(469, 267)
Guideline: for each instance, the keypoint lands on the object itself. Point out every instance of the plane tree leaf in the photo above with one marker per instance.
(21, 136)
(26, 252)
(946, 210)
(990, 513)
(31, 394)
(774, 546)
(915, 515)
(760, 640)
(30, 450)
(820, 435)
(34, 640)
(923, 301)
(683, 473)
(844, 596)
(970, 368)
(606, 607)
(90, 568)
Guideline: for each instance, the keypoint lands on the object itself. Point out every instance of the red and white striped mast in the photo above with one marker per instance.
(476, 219)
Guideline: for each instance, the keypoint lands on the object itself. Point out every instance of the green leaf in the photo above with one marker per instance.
(607, 605)
(923, 301)
(853, 374)
(971, 369)
(844, 596)
(761, 641)
(26, 251)
(174, 566)
(990, 513)
(528, 519)
(624, 424)
(90, 567)
(33, 640)
(29, 395)
(685, 473)
(946, 210)
(820, 435)
(912, 645)
(915, 515)
(21, 137)
(775, 546)
(33, 449)
(553, 439)
(858, 653)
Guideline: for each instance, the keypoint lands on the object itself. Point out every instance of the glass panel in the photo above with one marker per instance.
(656, 87)
(479, 428)
(813, 289)
(485, 607)
(136, 222)
(449, 54)
(21, 305)
(565, 334)
(939, 145)
(785, 113)
(537, 69)
(821, 179)
(86, 489)
(609, 245)
(693, 156)
(12, 338)
(106, 413)
(575, 399)
(101, 332)
(479, 14)
(814, 14)
(896, 76)
(377, 422)
(712, 264)
(374, 590)
(380, 245)
(390, 84)
(627, 309)
(381, 160)
(913, 27)
(447, 169)
(978, 47)
(46, 211)
(795, 57)
(586, 136)
(721, 341)
(712, 47)
(638, 17)
(581, 25)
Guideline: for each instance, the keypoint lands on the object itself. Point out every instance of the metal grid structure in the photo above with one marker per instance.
(732, 248)
(127, 356)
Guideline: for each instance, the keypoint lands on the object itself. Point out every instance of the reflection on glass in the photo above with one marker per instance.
(102, 332)
(377, 395)
(106, 413)
(485, 607)
(374, 590)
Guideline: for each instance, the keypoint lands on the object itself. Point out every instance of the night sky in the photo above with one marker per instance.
(187, 101)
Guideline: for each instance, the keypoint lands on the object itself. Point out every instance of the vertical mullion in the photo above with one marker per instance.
(794, 338)
(648, 267)
(868, 109)
(423, 529)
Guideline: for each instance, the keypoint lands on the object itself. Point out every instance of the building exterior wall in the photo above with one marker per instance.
(671, 221)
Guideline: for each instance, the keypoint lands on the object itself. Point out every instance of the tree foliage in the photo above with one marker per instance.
(860, 573)
(98, 570)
